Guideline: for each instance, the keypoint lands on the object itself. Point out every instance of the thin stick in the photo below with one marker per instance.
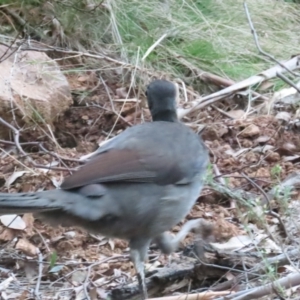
(16, 133)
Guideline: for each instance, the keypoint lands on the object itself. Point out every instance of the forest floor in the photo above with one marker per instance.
(253, 154)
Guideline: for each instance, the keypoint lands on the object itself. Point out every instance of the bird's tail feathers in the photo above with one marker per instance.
(18, 203)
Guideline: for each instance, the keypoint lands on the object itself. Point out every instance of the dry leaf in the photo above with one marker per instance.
(236, 114)
(121, 93)
(47, 167)
(78, 277)
(234, 243)
(7, 235)
(287, 96)
(283, 116)
(266, 85)
(56, 182)
(26, 247)
(28, 220)
(5, 283)
(70, 234)
(13, 222)
(11, 179)
(111, 244)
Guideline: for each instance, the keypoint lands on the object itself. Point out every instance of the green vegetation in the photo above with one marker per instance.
(211, 35)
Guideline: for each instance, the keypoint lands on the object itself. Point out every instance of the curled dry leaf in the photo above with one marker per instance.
(26, 247)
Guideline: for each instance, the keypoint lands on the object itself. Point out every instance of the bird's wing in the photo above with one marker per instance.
(111, 166)
(145, 153)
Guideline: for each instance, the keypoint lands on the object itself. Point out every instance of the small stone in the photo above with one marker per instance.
(250, 131)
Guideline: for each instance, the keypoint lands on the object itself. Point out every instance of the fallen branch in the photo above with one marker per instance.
(199, 296)
(268, 289)
(291, 64)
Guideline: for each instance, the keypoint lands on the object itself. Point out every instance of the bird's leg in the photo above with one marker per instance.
(169, 244)
(138, 254)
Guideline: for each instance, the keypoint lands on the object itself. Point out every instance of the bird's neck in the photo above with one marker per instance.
(166, 115)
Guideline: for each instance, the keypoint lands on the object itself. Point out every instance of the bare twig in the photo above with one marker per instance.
(85, 284)
(253, 31)
(40, 145)
(204, 295)
(266, 196)
(16, 133)
(288, 81)
(87, 267)
(44, 242)
(261, 77)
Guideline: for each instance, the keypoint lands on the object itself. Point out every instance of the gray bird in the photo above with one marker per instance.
(135, 187)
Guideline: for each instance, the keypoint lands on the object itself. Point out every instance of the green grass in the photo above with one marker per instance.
(212, 35)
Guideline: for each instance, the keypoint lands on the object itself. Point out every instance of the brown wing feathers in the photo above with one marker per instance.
(112, 166)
